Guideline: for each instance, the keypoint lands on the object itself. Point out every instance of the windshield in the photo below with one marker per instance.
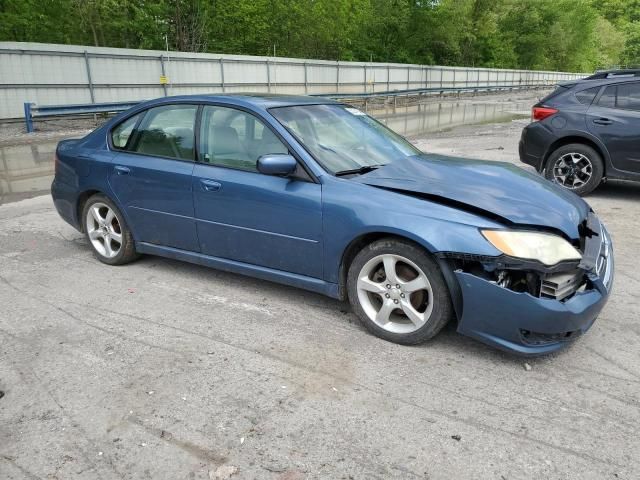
(342, 138)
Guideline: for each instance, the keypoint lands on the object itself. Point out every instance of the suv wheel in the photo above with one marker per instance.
(576, 167)
(398, 292)
(107, 232)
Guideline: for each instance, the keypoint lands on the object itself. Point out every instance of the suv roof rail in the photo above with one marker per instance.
(614, 74)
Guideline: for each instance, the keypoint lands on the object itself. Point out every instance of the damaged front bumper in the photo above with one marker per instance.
(535, 323)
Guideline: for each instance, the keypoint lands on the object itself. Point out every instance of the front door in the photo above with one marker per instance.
(615, 118)
(151, 176)
(246, 216)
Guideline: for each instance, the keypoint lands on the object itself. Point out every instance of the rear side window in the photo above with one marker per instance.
(608, 97)
(586, 96)
(624, 96)
(122, 133)
(628, 96)
(167, 131)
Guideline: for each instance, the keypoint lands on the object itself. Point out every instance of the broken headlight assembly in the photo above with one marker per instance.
(545, 248)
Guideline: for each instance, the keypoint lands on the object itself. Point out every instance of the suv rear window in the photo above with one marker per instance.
(586, 96)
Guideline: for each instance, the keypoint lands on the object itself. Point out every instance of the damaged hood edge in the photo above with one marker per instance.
(495, 190)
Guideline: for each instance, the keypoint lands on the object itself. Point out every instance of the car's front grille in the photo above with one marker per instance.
(597, 256)
(562, 285)
(604, 261)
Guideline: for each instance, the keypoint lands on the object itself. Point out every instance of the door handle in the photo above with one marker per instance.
(210, 185)
(120, 170)
(603, 121)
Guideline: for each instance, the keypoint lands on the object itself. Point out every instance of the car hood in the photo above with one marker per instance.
(493, 189)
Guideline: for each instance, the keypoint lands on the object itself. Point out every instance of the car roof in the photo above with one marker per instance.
(614, 73)
(255, 100)
(583, 84)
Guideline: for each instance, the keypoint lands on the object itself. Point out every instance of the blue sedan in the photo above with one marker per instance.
(316, 194)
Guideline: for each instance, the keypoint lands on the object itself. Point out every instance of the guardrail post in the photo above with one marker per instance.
(408, 77)
(222, 74)
(164, 74)
(306, 82)
(388, 78)
(337, 76)
(28, 119)
(364, 82)
(86, 64)
(268, 77)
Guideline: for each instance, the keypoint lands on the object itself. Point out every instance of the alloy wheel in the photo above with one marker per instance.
(103, 229)
(395, 293)
(572, 170)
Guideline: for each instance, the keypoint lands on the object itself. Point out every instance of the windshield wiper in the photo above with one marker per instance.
(358, 171)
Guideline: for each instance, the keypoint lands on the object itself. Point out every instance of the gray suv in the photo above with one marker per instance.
(587, 131)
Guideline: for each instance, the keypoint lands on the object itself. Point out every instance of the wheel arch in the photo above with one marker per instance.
(81, 202)
(590, 142)
(358, 243)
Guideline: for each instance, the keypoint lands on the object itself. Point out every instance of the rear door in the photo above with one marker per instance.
(151, 176)
(615, 118)
(244, 215)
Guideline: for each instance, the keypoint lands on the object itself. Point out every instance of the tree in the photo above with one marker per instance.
(538, 34)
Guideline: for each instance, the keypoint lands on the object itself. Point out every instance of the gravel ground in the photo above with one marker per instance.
(46, 131)
(162, 369)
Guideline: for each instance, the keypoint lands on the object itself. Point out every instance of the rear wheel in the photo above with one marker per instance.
(398, 292)
(107, 232)
(576, 167)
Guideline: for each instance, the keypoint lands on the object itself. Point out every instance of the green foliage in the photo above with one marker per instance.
(576, 35)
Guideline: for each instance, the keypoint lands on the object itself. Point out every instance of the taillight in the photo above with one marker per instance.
(540, 113)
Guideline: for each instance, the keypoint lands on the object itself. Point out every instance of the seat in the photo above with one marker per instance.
(184, 137)
(224, 148)
(157, 142)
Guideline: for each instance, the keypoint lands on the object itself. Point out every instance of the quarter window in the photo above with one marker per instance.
(586, 96)
(167, 131)
(235, 139)
(122, 133)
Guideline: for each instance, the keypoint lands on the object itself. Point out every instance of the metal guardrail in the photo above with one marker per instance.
(430, 90)
(33, 111)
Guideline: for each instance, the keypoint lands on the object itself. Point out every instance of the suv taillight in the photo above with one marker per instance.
(540, 113)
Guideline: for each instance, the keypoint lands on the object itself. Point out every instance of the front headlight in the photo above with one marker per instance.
(544, 247)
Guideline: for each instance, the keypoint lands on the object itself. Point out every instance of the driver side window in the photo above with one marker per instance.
(235, 139)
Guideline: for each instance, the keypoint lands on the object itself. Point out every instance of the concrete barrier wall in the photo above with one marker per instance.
(48, 74)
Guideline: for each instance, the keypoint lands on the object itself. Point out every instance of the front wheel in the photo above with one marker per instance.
(398, 292)
(576, 167)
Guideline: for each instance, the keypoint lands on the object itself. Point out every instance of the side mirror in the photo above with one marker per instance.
(277, 164)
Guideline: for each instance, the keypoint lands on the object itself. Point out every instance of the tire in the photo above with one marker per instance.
(415, 314)
(581, 161)
(103, 222)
